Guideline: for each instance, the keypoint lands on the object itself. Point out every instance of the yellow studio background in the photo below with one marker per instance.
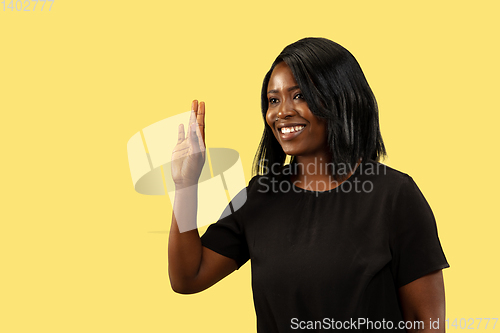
(81, 251)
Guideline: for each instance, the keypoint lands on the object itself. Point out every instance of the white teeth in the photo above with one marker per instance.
(292, 129)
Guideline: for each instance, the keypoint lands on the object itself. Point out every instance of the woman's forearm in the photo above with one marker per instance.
(184, 245)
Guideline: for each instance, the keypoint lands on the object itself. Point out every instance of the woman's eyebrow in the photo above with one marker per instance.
(276, 91)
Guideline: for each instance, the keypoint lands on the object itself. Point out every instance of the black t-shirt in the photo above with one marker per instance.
(336, 255)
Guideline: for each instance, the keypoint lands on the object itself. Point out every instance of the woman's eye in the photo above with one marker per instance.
(299, 96)
(273, 100)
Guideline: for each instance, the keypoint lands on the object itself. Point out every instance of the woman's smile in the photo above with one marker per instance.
(289, 131)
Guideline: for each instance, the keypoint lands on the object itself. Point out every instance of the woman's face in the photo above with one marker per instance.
(299, 132)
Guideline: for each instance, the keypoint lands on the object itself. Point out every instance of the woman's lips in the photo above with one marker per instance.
(290, 132)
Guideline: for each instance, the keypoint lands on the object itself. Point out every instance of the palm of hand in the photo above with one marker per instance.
(188, 156)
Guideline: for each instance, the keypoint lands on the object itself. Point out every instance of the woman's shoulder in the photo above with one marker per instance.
(260, 182)
(385, 177)
(375, 168)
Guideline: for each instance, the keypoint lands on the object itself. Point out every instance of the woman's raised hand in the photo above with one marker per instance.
(188, 156)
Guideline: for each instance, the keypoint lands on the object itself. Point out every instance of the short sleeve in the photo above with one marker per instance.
(415, 244)
(227, 236)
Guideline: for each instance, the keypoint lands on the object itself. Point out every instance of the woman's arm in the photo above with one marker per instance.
(192, 267)
(423, 300)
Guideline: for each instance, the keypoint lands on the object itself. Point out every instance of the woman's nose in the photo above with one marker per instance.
(286, 110)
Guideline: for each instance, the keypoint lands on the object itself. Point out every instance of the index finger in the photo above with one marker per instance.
(192, 117)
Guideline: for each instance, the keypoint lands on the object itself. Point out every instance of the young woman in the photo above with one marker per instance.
(337, 240)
